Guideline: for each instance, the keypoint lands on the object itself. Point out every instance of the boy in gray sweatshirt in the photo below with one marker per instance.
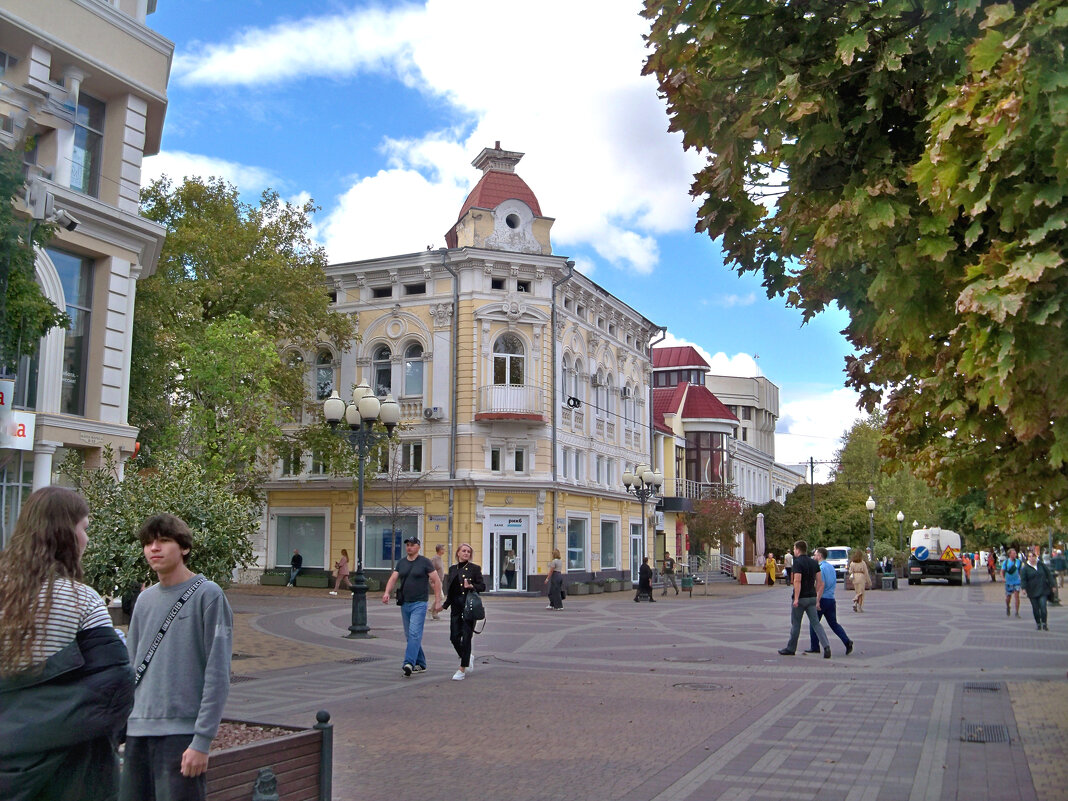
(182, 687)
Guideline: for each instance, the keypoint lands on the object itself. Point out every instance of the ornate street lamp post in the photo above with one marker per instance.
(870, 506)
(361, 416)
(900, 522)
(644, 483)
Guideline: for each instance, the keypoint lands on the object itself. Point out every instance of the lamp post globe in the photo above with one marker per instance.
(900, 522)
(644, 483)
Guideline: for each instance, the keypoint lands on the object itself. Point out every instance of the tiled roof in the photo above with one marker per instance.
(696, 403)
(494, 188)
(666, 400)
(684, 356)
(703, 405)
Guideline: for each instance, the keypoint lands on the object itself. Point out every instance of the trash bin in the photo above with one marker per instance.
(889, 581)
(687, 584)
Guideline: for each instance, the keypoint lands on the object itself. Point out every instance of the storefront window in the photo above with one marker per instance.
(609, 548)
(383, 538)
(576, 544)
(303, 532)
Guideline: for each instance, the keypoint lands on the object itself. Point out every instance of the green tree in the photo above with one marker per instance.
(222, 523)
(225, 266)
(26, 314)
(714, 523)
(908, 161)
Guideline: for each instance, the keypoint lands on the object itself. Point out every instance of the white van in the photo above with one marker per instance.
(838, 557)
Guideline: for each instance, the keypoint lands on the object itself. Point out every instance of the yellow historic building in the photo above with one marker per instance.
(524, 390)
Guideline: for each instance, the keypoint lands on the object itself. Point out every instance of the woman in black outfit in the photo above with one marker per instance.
(464, 576)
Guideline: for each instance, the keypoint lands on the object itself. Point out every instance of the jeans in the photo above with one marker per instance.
(805, 606)
(829, 609)
(413, 616)
(293, 573)
(1038, 608)
(152, 771)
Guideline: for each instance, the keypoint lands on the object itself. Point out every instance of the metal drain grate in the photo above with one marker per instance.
(239, 679)
(982, 687)
(702, 686)
(359, 660)
(983, 732)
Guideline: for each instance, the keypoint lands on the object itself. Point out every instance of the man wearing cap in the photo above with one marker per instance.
(417, 577)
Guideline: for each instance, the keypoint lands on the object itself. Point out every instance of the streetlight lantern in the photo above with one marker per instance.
(870, 506)
(360, 417)
(643, 483)
(900, 521)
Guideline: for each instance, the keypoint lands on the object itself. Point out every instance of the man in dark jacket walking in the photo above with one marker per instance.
(1037, 581)
(645, 582)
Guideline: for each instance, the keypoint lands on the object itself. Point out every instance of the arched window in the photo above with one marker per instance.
(413, 369)
(627, 400)
(610, 395)
(578, 389)
(382, 369)
(600, 393)
(565, 379)
(324, 374)
(508, 360)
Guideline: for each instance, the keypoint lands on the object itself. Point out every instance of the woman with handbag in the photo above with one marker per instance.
(555, 581)
(342, 567)
(858, 574)
(66, 687)
(464, 577)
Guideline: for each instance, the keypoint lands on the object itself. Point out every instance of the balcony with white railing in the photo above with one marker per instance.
(520, 402)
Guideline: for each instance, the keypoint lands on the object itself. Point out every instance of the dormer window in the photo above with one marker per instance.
(522, 286)
(497, 283)
(382, 292)
(415, 289)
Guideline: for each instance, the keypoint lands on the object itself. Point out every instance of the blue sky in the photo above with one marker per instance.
(370, 108)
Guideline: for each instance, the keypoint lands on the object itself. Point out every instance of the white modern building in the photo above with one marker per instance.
(83, 91)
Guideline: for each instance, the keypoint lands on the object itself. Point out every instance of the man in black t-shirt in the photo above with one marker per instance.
(808, 587)
(417, 578)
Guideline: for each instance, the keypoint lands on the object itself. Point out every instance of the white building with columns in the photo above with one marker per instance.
(83, 91)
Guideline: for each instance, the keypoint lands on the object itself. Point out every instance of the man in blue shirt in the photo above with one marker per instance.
(1010, 572)
(826, 607)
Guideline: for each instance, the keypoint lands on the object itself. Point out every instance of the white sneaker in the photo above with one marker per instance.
(459, 675)
(550, 606)
(332, 592)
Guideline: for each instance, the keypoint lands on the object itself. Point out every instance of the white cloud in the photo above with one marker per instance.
(571, 96)
(733, 300)
(178, 165)
(812, 426)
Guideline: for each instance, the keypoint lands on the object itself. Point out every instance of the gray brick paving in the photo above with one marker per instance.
(685, 699)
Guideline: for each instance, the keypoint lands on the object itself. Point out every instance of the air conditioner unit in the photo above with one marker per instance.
(433, 413)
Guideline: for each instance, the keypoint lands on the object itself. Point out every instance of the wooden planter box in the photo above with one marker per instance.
(274, 580)
(320, 580)
(613, 586)
(596, 589)
(578, 588)
(301, 765)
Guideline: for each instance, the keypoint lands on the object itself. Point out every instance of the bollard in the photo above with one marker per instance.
(326, 755)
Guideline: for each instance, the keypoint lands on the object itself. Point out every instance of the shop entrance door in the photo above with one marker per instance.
(635, 550)
(508, 549)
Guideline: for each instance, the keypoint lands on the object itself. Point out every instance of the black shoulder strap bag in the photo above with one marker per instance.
(140, 672)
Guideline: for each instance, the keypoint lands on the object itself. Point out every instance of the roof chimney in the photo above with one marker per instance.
(496, 159)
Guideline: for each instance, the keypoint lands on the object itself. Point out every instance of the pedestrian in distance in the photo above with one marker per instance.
(555, 580)
(66, 685)
(1059, 565)
(991, 567)
(180, 641)
(1037, 579)
(966, 561)
(770, 568)
(438, 560)
(415, 578)
(1010, 574)
(342, 568)
(295, 565)
(669, 574)
(808, 587)
(827, 608)
(861, 578)
(645, 582)
(788, 566)
(464, 577)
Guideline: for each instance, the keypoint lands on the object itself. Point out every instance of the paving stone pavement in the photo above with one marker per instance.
(943, 698)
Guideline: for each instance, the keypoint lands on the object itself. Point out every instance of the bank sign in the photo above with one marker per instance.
(16, 428)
